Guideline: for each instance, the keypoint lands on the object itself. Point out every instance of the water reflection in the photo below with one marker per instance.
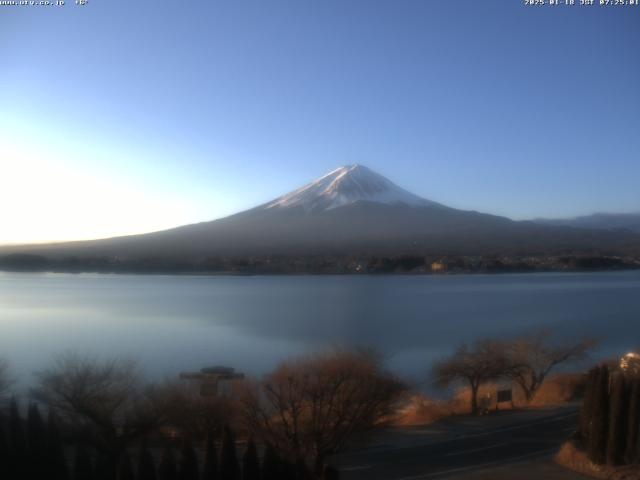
(183, 322)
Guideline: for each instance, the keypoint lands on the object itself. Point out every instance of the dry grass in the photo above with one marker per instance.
(573, 458)
(559, 389)
(421, 410)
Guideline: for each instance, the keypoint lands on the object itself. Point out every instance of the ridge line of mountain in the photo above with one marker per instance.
(351, 212)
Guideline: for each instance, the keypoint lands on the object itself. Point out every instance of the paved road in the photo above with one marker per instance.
(457, 447)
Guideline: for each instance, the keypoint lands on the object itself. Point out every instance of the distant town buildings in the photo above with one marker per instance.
(438, 267)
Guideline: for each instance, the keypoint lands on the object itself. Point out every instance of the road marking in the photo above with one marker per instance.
(464, 452)
(503, 462)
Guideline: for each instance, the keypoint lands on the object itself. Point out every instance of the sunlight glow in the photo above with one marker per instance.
(47, 198)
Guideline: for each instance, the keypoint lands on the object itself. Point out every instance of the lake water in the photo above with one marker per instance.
(174, 323)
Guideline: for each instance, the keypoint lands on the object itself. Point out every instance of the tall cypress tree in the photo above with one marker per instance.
(188, 463)
(146, 465)
(82, 465)
(167, 469)
(617, 420)
(302, 470)
(270, 462)
(210, 468)
(17, 442)
(4, 454)
(125, 468)
(36, 443)
(55, 450)
(287, 470)
(229, 468)
(330, 473)
(16, 429)
(586, 411)
(633, 425)
(36, 432)
(106, 467)
(598, 429)
(250, 462)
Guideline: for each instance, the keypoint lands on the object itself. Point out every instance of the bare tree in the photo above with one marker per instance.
(310, 407)
(101, 399)
(532, 358)
(483, 362)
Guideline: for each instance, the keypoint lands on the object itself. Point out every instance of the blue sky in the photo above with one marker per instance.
(122, 117)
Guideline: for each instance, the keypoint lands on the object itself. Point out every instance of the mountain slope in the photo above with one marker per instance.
(351, 210)
(600, 221)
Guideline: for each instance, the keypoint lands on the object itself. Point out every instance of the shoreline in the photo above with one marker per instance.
(232, 273)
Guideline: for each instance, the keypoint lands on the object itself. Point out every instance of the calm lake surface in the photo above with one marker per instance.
(174, 323)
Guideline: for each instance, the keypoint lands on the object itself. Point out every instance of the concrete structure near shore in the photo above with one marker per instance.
(216, 381)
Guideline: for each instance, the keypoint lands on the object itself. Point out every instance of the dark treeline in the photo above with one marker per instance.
(610, 416)
(322, 264)
(32, 448)
(106, 422)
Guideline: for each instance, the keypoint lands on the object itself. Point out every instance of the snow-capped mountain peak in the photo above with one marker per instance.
(345, 186)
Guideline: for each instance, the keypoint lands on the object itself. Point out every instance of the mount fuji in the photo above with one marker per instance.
(346, 186)
(349, 211)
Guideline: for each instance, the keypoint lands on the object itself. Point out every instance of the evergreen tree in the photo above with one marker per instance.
(167, 468)
(210, 469)
(229, 468)
(188, 463)
(36, 433)
(146, 465)
(302, 470)
(106, 467)
(598, 429)
(17, 442)
(330, 473)
(287, 470)
(16, 429)
(633, 431)
(55, 451)
(617, 420)
(586, 411)
(250, 462)
(4, 453)
(82, 466)
(270, 462)
(125, 468)
(36, 443)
